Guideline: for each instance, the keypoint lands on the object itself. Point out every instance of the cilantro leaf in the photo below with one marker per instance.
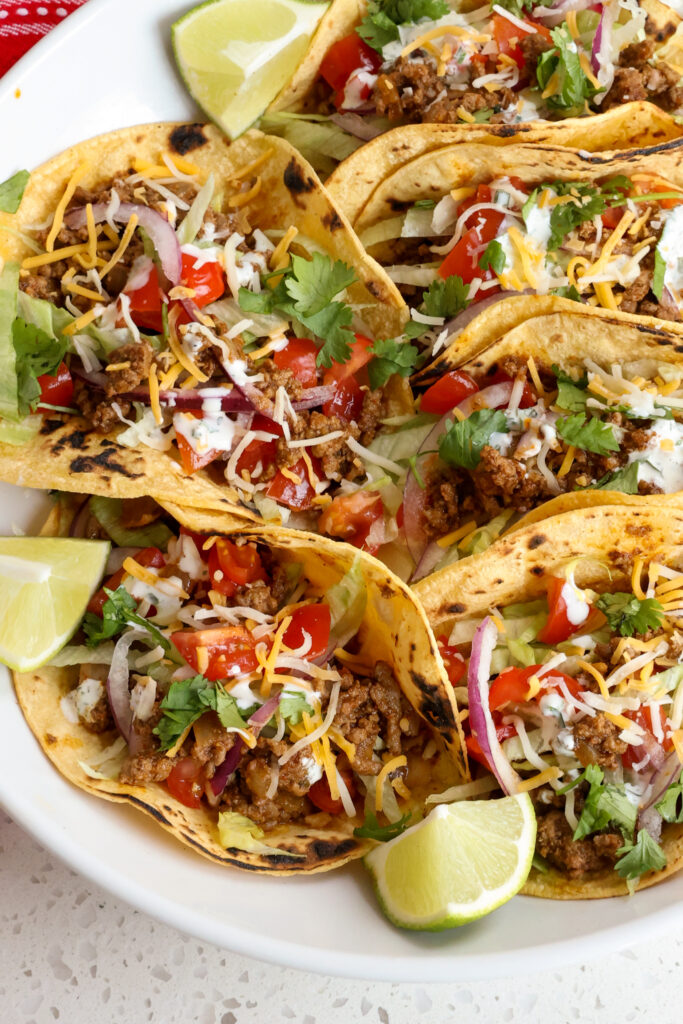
(671, 805)
(624, 480)
(462, 443)
(586, 202)
(566, 378)
(591, 435)
(36, 353)
(493, 257)
(628, 614)
(574, 87)
(413, 329)
(645, 855)
(371, 829)
(425, 204)
(12, 190)
(570, 397)
(605, 804)
(567, 292)
(446, 298)
(119, 611)
(380, 24)
(305, 293)
(292, 707)
(658, 276)
(187, 700)
(391, 356)
(313, 283)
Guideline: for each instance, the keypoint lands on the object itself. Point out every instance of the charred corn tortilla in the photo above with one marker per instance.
(601, 544)
(66, 453)
(394, 630)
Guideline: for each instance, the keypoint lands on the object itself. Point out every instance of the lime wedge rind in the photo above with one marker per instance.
(40, 611)
(437, 879)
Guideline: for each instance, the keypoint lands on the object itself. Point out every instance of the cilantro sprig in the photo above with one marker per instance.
(624, 480)
(462, 443)
(371, 828)
(586, 203)
(573, 87)
(392, 356)
(306, 293)
(637, 858)
(605, 804)
(380, 24)
(119, 611)
(589, 434)
(671, 805)
(628, 614)
(187, 700)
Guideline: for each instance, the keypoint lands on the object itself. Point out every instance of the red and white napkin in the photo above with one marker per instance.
(24, 22)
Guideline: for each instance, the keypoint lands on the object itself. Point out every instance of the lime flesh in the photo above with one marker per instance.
(461, 862)
(235, 55)
(45, 585)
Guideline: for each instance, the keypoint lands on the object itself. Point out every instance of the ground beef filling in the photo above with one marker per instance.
(574, 858)
(637, 79)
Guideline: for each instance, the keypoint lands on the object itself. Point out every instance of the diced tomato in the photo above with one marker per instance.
(147, 557)
(57, 389)
(288, 492)
(455, 664)
(506, 36)
(647, 185)
(207, 281)
(185, 782)
(559, 627)
(319, 793)
(299, 356)
(315, 620)
(360, 355)
(399, 516)
(448, 392)
(259, 450)
(643, 718)
(463, 259)
(503, 732)
(192, 460)
(347, 401)
(352, 516)
(230, 649)
(145, 302)
(612, 215)
(344, 57)
(528, 398)
(512, 686)
(199, 539)
(232, 566)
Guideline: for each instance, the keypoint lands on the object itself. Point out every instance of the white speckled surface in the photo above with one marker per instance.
(72, 953)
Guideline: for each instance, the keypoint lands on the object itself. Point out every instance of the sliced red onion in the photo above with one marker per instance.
(232, 401)
(117, 683)
(225, 770)
(80, 519)
(97, 379)
(117, 557)
(651, 820)
(356, 125)
(264, 714)
(483, 728)
(430, 558)
(461, 321)
(556, 14)
(160, 231)
(495, 396)
(601, 51)
(663, 777)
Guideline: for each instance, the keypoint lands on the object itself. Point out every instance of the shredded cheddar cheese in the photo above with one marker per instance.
(67, 196)
(391, 766)
(549, 775)
(450, 538)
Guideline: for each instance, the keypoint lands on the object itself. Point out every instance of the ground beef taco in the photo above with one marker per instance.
(444, 62)
(601, 229)
(564, 641)
(274, 700)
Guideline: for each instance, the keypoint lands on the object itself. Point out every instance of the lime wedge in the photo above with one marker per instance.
(45, 585)
(460, 863)
(235, 55)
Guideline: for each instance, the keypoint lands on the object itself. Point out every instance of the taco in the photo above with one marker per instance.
(564, 641)
(275, 701)
(442, 62)
(128, 363)
(601, 229)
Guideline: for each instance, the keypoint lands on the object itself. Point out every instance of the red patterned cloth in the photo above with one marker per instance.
(24, 22)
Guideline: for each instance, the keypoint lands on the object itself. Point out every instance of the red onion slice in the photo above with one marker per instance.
(233, 401)
(161, 233)
(483, 728)
(356, 125)
(260, 718)
(117, 683)
(663, 777)
(556, 14)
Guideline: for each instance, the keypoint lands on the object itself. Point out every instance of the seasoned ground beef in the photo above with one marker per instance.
(338, 461)
(368, 708)
(532, 47)
(265, 595)
(100, 415)
(275, 378)
(502, 478)
(597, 742)
(211, 743)
(281, 810)
(575, 858)
(139, 356)
(637, 79)
(99, 717)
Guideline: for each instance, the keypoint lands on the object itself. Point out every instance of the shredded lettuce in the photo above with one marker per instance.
(402, 444)
(347, 600)
(320, 141)
(237, 832)
(192, 222)
(390, 808)
(21, 432)
(78, 654)
(52, 320)
(262, 324)
(107, 512)
(9, 397)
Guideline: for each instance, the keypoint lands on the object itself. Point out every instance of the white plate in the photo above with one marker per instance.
(109, 65)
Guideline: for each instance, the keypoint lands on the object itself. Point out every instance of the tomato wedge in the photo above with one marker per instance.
(232, 566)
(207, 281)
(352, 516)
(190, 459)
(454, 662)
(147, 557)
(512, 686)
(506, 36)
(230, 649)
(288, 492)
(448, 392)
(643, 718)
(319, 793)
(185, 782)
(313, 620)
(299, 356)
(346, 56)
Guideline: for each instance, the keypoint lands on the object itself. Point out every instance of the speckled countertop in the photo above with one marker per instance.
(72, 953)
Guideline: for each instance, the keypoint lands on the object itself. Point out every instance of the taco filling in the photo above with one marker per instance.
(577, 698)
(445, 63)
(221, 672)
(615, 243)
